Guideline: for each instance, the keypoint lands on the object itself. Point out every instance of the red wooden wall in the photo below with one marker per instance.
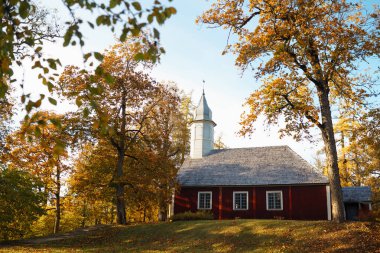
(299, 202)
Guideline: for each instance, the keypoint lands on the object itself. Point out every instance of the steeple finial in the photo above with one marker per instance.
(203, 92)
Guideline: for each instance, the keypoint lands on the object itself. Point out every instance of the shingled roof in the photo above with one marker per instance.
(357, 194)
(277, 165)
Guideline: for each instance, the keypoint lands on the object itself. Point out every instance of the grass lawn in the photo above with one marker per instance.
(213, 236)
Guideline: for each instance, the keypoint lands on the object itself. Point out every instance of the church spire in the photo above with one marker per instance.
(202, 129)
(202, 111)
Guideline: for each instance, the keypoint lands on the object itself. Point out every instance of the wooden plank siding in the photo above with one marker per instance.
(307, 202)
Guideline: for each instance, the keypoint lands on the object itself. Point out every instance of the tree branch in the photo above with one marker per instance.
(249, 18)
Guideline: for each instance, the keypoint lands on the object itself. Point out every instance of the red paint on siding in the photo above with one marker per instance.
(220, 208)
(254, 206)
(309, 203)
(299, 202)
(290, 202)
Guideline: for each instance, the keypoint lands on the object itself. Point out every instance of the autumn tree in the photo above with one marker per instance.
(306, 53)
(89, 184)
(166, 136)
(365, 154)
(117, 102)
(149, 167)
(39, 147)
(219, 143)
(352, 156)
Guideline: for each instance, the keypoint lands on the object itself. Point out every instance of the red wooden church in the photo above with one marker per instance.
(260, 182)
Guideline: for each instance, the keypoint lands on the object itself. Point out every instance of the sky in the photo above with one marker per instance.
(193, 54)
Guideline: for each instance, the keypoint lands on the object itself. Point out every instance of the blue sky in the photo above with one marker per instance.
(193, 54)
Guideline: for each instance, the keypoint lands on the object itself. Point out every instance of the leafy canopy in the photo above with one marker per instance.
(298, 48)
(26, 27)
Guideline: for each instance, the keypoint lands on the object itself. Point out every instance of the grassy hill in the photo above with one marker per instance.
(212, 236)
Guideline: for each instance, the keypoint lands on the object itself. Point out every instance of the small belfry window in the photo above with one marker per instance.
(204, 200)
(274, 200)
(240, 201)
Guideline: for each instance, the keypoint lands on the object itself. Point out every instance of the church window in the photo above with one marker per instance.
(204, 200)
(274, 200)
(240, 201)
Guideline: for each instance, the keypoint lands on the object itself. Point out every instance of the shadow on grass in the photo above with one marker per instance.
(218, 236)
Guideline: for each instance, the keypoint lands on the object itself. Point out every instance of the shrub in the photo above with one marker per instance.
(20, 203)
(200, 215)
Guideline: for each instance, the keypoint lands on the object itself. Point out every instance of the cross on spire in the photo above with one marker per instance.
(203, 87)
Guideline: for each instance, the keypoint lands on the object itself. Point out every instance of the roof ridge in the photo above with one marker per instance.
(272, 146)
(363, 186)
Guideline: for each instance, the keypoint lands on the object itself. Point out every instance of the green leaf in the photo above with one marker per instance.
(114, 3)
(59, 147)
(150, 18)
(52, 101)
(91, 24)
(41, 122)
(24, 9)
(86, 112)
(3, 89)
(156, 33)
(137, 6)
(135, 31)
(52, 64)
(98, 56)
(78, 101)
(124, 34)
(37, 131)
(160, 17)
(38, 49)
(56, 123)
(109, 78)
(139, 57)
(99, 70)
(29, 106)
(99, 20)
(37, 103)
(67, 37)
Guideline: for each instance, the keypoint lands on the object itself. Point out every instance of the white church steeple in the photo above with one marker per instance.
(202, 130)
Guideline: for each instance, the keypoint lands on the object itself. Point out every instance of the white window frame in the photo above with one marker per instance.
(233, 204)
(282, 201)
(203, 192)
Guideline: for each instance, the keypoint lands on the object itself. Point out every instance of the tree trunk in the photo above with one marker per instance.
(345, 174)
(120, 203)
(57, 202)
(163, 212)
(84, 214)
(112, 215)
(331, 155)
